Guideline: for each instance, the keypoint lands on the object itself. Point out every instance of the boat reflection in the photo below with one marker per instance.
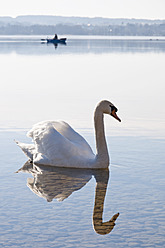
(54, 44)
(59, 183)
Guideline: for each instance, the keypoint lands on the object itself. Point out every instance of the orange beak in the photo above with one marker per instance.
(115, 115)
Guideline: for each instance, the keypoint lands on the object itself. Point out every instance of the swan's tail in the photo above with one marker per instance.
(28, 149)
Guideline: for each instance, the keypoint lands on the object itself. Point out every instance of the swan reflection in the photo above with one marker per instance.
(59, 183)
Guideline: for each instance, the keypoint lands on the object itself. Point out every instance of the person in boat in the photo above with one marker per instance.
(55, 37)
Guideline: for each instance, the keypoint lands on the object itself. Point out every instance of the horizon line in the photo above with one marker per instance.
(90, 17)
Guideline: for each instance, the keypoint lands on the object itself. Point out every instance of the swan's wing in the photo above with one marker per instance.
(58, 142)
(69, 133)
(65, 130)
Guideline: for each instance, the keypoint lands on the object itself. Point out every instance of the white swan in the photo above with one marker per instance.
(57, 144)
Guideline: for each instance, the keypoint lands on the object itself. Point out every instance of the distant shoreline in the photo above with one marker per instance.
(43, 25)
(60, 29)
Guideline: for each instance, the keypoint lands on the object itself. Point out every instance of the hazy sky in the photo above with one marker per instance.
(151, 9)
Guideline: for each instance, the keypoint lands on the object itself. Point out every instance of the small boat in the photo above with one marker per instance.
(62, 40)
(55, 41)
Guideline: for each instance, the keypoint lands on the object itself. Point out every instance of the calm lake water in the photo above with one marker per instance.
(45, 207)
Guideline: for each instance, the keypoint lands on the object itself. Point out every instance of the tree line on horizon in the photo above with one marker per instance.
(128, 29)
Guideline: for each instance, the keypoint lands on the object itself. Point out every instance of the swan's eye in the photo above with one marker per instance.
(114, 108)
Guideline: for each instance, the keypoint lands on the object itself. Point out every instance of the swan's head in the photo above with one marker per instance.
(108, 108)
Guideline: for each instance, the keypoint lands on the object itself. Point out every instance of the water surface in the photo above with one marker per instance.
(43, 82)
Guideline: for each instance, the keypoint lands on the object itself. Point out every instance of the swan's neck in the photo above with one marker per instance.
(101, 146)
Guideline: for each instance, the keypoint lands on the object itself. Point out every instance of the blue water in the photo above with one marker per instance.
(31, 215)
